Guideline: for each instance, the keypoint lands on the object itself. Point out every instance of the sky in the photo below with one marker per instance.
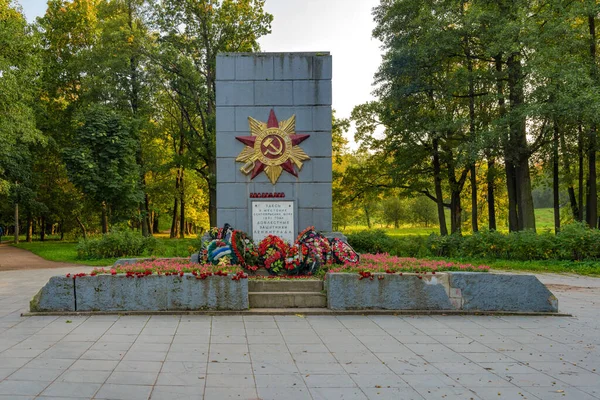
(342, 27)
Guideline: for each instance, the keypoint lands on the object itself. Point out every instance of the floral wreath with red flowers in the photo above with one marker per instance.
(295, 257)
(272, 251)
(343, 253)
(244, 249)
(318, 250)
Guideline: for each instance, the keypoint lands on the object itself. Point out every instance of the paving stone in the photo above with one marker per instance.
(230, 393)
(177, 393)
(124, 392)
(22, 388)
(337, 393)
(71, 389)
(284, 393)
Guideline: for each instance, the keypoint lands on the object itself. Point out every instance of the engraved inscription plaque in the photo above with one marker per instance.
(273, 218)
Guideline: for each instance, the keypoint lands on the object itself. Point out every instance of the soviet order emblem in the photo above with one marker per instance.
(272, 148)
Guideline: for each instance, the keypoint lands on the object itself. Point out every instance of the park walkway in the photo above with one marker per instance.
(13, 258)
(299, 357)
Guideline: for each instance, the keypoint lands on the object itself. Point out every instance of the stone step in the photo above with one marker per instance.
(287, 300)
(292, 285)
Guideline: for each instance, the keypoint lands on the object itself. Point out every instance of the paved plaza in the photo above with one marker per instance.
(299, 357)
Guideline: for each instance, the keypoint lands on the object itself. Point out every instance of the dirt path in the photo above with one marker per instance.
(13, 258)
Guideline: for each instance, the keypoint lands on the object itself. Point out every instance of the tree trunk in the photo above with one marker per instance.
(472, 133)
(82, 227)
(456, 187)
(437, 180)
(175, 207)
(555, 187)
(491, 200)
(173, 233)
(592, 204)
(509, 168)
(580, 173)
(155, 228)
(455, 212)
(212, 194)
(104, 219)
(182, 208)
(16, 222)
(43, 229)
(29, 227)
(367, 216)
(519, 147)
(474, 224)
(568, 174)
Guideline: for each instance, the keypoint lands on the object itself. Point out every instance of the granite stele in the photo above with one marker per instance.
(274, 142)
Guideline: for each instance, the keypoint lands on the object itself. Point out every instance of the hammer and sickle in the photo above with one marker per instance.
(271, 148)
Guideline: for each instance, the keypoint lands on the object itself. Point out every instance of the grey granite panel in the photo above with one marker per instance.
(256, 67)
(56, 295)
(293, 66)
(318, 144)
(303, 117)
(393, 292)
(323, 218)
(226, 70)
(322, 169)
(273, 93)
(228, 145)
(322, 118)
(231, 195)
(235, 93)
(225, 216)
(119, 293)
(242, 219)
(314, 195)
(312, 92)
(322, 67)
(225, 118)
(226, 169)
(503, 292)
(214, 293)
(305, 218)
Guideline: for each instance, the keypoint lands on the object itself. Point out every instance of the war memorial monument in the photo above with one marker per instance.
(274, 142)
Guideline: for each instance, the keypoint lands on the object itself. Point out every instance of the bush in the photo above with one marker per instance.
(410, 246)
(444, 246)
(577, 242)
(116, 244)
(371, 241)
(574, 242)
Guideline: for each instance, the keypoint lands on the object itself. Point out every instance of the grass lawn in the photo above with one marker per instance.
(67, 251)
(544, 220)
(590, 268)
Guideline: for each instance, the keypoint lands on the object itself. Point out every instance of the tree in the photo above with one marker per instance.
(18, 85)
(192, 34)
(393, 211)
(102, 163)
(421, 210)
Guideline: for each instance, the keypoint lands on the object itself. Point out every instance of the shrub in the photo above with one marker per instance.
(574, 242)
(371, 241)
(116, 244)
(409, 246)
(485, 244)
(444, 246)
(577, 242)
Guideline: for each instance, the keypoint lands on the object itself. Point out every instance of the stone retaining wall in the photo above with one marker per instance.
(469, 291)
(150, 293)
